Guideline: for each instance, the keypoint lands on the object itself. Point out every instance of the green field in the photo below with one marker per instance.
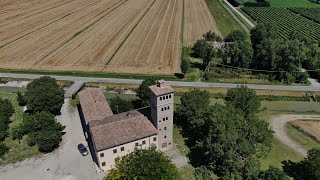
(285, 20)
(310, 13)
(292, 3)
(19, 149)
(226, 23)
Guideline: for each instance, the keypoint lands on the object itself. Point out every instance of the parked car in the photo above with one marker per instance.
(83, 150)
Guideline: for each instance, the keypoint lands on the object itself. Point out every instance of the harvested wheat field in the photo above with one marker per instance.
(197, 21)
(130, 36)
(310, 127)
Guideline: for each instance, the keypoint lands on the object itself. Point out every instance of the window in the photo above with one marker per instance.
(122, 148)
(160, 98)
(166, 118)
(170, 96)
(137, 144)
(164, 145)
(161, 109)
(169, 143)
(103, 163)
(168, 107)
(165, 128)
(165, 108)
(143, 142)
(165, 137)
(155, 138)
(102, 155)
(166, 97)
(159, 129)
(115, 151)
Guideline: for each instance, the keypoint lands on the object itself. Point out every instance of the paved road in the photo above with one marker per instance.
(315, 86)
(240, 14)
(278, 125)
(66, 163)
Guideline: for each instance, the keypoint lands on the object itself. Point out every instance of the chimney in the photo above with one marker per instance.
(160, 83)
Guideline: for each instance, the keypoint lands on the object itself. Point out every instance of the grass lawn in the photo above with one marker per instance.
(226, 23)
(186, 172)
(302, 138)
(293, 3)
(292, 106)
(279, 152)
(19, 150)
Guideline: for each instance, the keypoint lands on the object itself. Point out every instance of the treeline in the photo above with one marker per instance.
(315, 1)
(6, 111)
(280, 59)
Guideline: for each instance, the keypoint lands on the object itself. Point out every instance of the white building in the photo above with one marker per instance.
(114, 136)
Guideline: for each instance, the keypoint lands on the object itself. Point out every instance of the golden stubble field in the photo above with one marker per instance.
(130, 36)
(310, 127)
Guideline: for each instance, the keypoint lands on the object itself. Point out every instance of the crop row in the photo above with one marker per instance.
(310, 13)
(285, 20)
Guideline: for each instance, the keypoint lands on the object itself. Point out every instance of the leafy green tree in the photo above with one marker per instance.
(273, 173)
(6, 109)
(144, 164)
(144, 92)
(3, 127)
(3, 149)
(244, 99)
(184, 66)
(203, 173)
(21, 100)
(119, 105)
(44, 94)
(241, 54)
(262, 32)
(47, 139)
(236, 36)
(211, 36)
(305, 169)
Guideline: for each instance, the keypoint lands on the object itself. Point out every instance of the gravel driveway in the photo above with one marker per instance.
(66, 163)
(278, 125)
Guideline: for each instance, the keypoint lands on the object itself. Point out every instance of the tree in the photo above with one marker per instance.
(184, 66)
(44, 94)
(6, 109)
(211, 36)
(47, 139)
(241, 54)
(119, 105)
(21, 100)
(273, 173)
(144, 164)
(144, 92)
(262, 32)
(203, 173)
(244, 99)
(305, 169)
(236, 36)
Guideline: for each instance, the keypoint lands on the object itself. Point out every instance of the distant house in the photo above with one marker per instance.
(114, 136)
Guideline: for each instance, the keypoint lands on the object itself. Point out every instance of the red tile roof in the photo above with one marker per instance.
(121, 129)
(94, 104)
(161, 88)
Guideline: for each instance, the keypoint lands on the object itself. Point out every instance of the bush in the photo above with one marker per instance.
(47, 140)
(184, 66)
(3, 129)
(119, 105)
(21, 100)
(6, 109)
(3, 149)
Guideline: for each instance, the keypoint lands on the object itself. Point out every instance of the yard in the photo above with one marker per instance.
(19, 149)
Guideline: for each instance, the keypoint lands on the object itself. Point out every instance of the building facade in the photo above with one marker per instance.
(116, 135)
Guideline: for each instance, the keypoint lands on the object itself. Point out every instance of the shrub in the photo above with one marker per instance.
(119, 105)
(21, 100)
(47, 140)
(3, 149)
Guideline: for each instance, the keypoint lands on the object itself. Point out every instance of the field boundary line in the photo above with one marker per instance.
(125, 39)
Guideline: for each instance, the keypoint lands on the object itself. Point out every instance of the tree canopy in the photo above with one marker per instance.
(144, 92)
(273, 173)
(144, 164)
(119, 105)
(236, 36)
(305, 169)
(244, 99)
(222, 138)
(44, 94)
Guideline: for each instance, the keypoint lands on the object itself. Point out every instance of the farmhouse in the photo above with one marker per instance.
(115, 135)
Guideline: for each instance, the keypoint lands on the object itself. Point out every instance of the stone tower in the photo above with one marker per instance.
(162, 99)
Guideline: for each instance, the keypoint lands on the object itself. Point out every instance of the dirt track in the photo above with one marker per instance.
(278, 125)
